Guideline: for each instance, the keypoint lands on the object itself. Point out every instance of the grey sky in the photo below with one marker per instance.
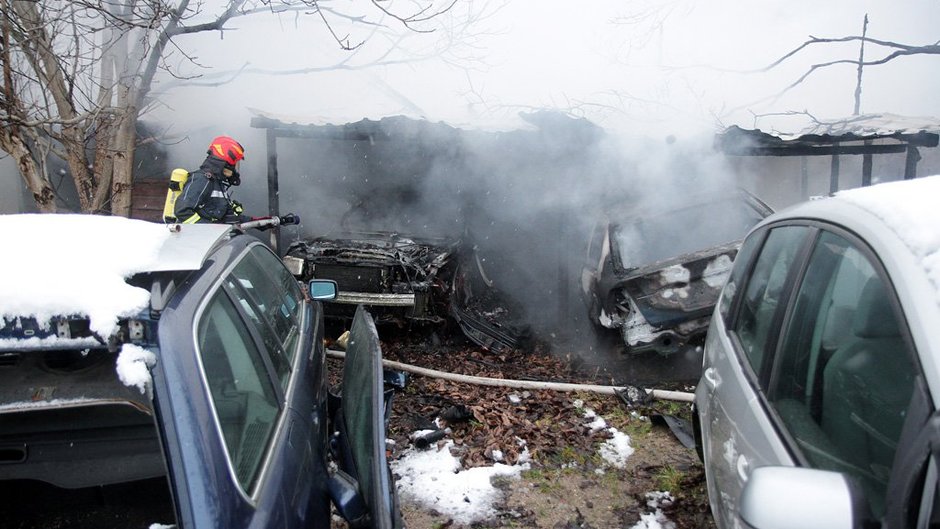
(644, 67)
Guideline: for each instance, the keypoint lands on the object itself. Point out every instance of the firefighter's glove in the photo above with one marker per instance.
(289, 219)
(237, 207)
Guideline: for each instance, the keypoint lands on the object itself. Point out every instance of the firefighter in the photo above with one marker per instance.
(204, 197)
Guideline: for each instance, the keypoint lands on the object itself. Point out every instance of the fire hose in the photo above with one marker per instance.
(679, 396)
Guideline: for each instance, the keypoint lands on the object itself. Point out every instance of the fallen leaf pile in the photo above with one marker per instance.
(490, 424)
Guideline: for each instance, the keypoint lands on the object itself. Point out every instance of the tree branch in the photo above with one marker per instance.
(904, 49)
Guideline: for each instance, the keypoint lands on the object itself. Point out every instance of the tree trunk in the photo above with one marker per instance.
(129, 59)
(122, 182)
(32, 177)
(45, 62)
(105, 131)
(73, 140)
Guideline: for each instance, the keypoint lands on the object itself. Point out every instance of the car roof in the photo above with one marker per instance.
(67, 265)
(905, 210)
(901, 223)
(189, 247)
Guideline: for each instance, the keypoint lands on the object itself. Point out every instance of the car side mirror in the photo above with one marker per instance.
(322, 289)
(800, 498)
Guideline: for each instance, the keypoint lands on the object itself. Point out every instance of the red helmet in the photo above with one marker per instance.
(226, 148)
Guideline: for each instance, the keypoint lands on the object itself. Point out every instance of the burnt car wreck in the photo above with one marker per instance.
(411, 280)
(402, 278)
(656, 277)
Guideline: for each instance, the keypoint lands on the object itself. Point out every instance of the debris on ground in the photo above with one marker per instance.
(542, 451)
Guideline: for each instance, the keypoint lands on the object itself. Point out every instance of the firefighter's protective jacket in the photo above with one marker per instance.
(205, 197)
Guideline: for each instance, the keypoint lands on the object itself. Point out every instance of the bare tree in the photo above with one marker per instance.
(889, 51)
(77, 75)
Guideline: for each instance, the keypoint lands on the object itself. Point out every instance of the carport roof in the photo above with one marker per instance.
(864, 134)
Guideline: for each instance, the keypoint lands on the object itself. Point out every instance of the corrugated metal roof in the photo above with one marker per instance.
(869, 133)
(863, 125)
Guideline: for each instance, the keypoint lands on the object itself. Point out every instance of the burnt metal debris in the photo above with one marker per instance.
(410, 280)
(402, 277)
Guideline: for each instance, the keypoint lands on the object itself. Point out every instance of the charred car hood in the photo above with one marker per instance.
(675, 290)
(375, 248)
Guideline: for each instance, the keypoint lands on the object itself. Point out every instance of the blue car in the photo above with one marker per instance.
(183, 368)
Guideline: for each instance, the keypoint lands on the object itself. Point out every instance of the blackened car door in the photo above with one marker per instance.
(361, 422)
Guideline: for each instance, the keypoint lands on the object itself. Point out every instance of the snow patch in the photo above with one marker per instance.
(909, 209)
(656, 519)
(133, 367)
(98, 252)
(49, 342)
(615, 450)
(675, 274)
(434, 479)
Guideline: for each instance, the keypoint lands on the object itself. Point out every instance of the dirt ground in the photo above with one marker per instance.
(568, 485)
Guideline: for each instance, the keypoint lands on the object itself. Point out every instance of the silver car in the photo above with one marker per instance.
(817, 403)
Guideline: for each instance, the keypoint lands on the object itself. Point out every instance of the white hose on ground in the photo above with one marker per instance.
(680, 396)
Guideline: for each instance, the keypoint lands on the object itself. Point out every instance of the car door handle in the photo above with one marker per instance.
(711, 378)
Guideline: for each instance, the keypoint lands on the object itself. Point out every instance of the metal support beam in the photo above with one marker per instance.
(823, 150)
(834, 172)
(273, 190)
(804, 178)
(910, 163)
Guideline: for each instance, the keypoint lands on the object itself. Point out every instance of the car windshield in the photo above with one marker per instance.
(646, 240)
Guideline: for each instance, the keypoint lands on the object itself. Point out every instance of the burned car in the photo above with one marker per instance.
(405, 280)
(655, 276)
(486, 315)
(401, 278)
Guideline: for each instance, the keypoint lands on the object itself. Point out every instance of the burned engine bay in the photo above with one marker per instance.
(410, 281)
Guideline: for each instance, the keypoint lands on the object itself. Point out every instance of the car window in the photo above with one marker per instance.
(271, 298)
(741, 261)
(763, 292)
(595, 241)
(845, 376)
(652, 238)
(243, 395)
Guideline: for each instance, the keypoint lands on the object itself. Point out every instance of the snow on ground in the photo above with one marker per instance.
(434, 479)
(655, 519)
(98, 253)
(615, 450)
